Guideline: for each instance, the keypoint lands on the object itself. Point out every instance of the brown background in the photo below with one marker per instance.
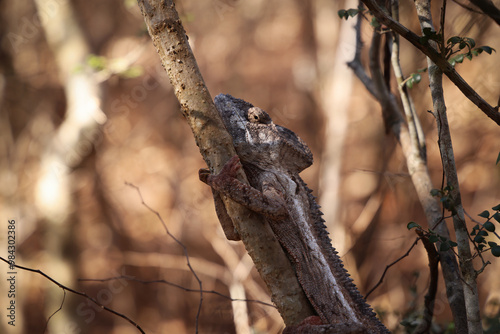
(280, 55)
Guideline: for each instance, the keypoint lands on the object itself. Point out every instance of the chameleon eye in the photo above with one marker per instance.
(257, 115)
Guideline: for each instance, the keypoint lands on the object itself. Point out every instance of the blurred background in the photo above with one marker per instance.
(86, 106)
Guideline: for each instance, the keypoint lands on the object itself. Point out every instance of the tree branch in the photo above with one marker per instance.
(448, 160)
(79, 293)
(440, 62)
(488, 8)
(162, 281)
(433, 257)
(215, 144)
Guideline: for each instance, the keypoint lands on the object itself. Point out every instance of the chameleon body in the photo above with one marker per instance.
(272, 158)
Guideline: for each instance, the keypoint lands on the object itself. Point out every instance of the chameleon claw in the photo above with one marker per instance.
(203, 174)
(231, 167)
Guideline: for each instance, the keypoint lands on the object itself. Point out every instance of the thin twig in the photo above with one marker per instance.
(54, 313)
(390, 265)
(129, 278)
(79, 293)
(184, 250)
(414, 126)
(481, 224)
(441, 28)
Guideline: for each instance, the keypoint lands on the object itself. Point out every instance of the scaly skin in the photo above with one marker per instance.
(272, 158)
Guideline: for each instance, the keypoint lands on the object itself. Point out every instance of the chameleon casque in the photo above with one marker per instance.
(272, 157)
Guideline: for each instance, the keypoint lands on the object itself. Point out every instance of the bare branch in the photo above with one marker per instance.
(79, 293)
(433, 258)
(448, 160)
(184, 250)
(129, 278)
(414, 126)
(390, 265)
(55, 312)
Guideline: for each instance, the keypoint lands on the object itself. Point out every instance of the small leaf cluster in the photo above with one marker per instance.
(481, 231)
(446, 198)
(347, 13)
(434, 237)
(464, 43)
(414, 78)
(454, 45)
(351, 12)
(478, 234)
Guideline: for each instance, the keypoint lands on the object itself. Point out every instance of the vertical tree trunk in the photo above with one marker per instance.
(447, 157)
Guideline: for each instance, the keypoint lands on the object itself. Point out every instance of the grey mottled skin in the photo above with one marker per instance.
(272, 158)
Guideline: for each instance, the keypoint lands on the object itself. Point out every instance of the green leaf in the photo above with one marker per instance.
(471, 42)
(374, 23)
(482, 233)
(489, 226)
(495, 251)
(497, 217)
(433, 238)
(453, 40)
(444, 247)
(97, 62)
(459, 58)
(492, 244)
(352, 12)
(416, 77)
(443, 239)
(132, 72)
(412, 225)
(435, 192)
(479, 239)
(481, 247)
(498, 160)
(484, 214)
(486, 49)
(453, 243)
(342, 13)
(428, 31)
(409, 83)
(462, 45)
(496, 207)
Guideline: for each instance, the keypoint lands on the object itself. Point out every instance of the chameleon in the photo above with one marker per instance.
(272, 157)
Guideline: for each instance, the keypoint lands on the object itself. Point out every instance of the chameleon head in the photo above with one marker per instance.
(258, 140)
